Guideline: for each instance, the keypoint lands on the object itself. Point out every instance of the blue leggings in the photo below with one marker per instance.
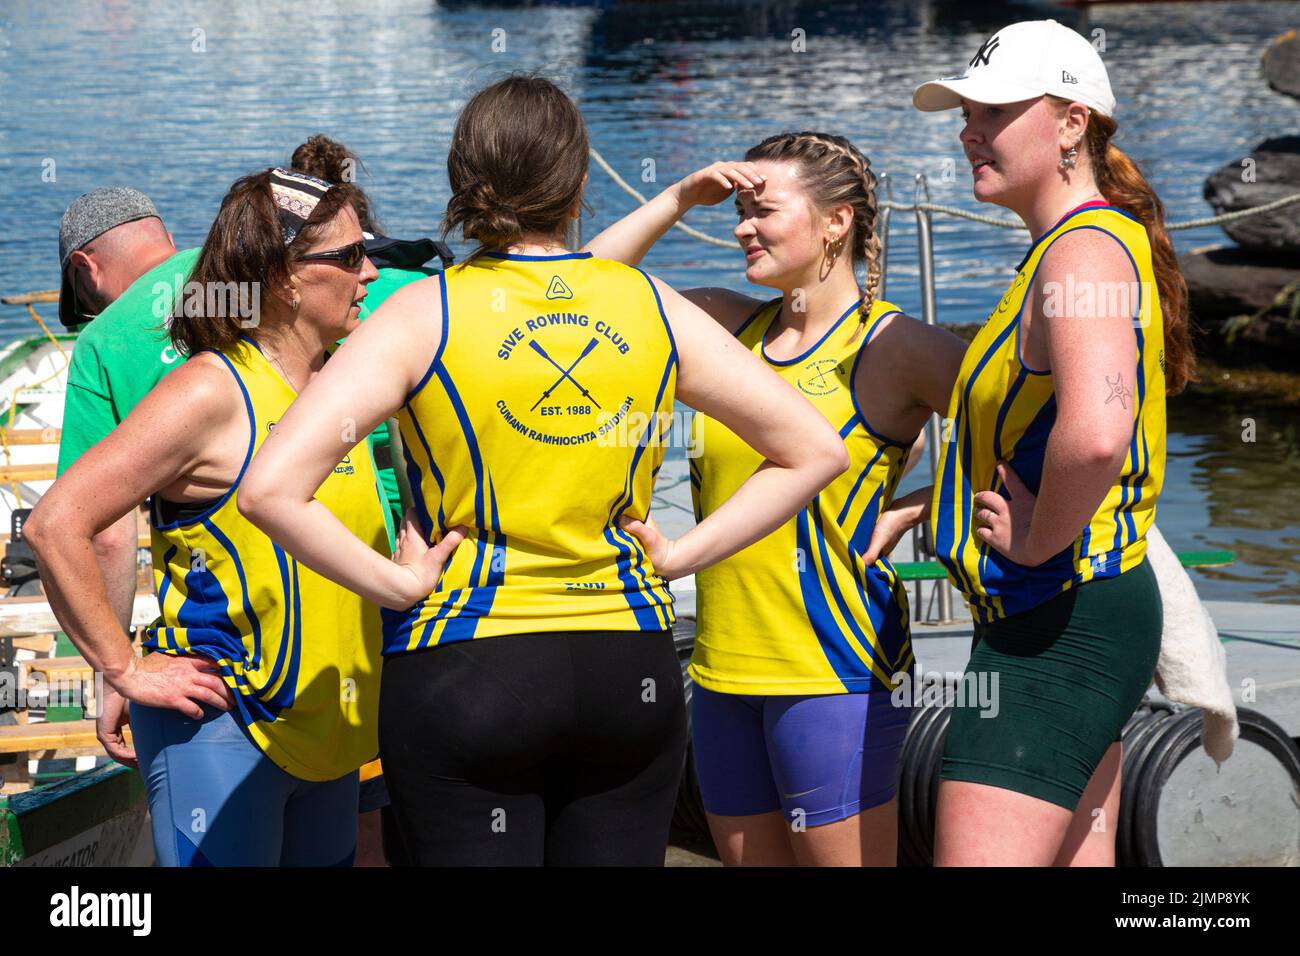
(216, 800)
(818, 759)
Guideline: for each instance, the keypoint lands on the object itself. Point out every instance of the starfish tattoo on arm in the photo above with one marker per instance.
(1118, 390)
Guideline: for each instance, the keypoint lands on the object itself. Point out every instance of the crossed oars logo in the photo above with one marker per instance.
(820, 377)
(564, 372)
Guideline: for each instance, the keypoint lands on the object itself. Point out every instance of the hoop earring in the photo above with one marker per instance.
(834, 247)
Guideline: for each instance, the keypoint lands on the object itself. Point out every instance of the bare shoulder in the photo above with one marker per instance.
(903, 340)
(727, 308)
(203, 386)
(179, 417)
(1086, 253)
(913, 362)
(901, 323)
(1086, 280)
(423, 295)
(410, 318)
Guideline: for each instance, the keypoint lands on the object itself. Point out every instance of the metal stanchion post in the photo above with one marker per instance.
(934, 431)
(573, 234)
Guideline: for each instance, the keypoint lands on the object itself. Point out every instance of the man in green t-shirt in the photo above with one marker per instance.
(121, 355)
(113, 250)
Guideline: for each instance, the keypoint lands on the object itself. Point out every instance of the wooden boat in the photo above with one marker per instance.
(33, 384)
(63, 802)
(95, 818)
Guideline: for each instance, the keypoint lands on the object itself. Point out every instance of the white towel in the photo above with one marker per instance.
(1192, 669)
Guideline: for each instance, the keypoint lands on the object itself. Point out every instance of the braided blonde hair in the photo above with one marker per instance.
(837, 172)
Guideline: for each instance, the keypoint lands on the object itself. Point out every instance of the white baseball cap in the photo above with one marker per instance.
(1023, 61)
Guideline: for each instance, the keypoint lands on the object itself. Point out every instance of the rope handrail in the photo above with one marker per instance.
(951, 210)
(623, 185)
(1170, 226)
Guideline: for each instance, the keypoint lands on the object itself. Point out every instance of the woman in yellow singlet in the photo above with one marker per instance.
(1055, 459)
(532, 702)
(258, 700)
(803, 637)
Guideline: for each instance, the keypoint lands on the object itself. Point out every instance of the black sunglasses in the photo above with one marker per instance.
(349, 256)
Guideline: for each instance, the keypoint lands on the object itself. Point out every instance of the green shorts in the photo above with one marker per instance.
(1063, 678)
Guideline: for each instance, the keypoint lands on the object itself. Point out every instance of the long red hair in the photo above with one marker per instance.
(1124, 186)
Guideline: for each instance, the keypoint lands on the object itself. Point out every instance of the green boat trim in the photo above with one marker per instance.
(933, 570)
(20, 350)
(36, 820)
(12, 357)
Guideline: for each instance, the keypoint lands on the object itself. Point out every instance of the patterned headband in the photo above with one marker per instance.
(296, 195)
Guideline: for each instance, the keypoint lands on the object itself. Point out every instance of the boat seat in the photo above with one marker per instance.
(49, 735)
(61, 668)
(30, 436)
(12, 473)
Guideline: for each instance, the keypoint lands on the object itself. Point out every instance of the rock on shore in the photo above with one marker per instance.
(1282, 64)
(1272, 171)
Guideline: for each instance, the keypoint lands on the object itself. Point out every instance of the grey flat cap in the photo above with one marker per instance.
(89, 217)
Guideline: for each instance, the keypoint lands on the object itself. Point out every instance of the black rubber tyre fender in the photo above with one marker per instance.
(1181, 737)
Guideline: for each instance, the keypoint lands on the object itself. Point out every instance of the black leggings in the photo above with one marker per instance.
(560, 749)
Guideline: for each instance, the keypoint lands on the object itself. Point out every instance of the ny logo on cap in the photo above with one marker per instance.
(1067, 78)
(985, 51)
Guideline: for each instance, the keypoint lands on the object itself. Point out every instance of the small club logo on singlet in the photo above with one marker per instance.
(1007, 296)
(558, 290)
(819, 377)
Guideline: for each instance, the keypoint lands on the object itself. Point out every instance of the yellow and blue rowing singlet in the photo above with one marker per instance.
(540, 421)
(799, 612)
(1002, 409)
(300, 653)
